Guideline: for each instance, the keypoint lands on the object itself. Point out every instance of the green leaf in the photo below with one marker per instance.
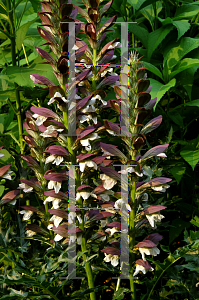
(21, 33)
(140, 32)
(7, 158)
(178, 225)
(1, 128)
(192, 103)
(178, 172)
(191, 157)
(2, 188)
(21, 75)
(195, 221)
(152, 69)
(176, 117)
(120, 294)
(159, 89)
(174, 52)
(182, 27)
(184, 64)
(156, 37)
(186, 11)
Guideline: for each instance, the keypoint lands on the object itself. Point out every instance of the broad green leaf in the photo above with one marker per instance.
(186, 11)
(159, 89)
(178, 172)
(186, 78)
(140, 32)
(177, 226)
(21, 75)
(5, 159)
(176, 51)
(184, 64)
(182, 27)
(149, 14)
(152, 69)
(176, 117)
(191, 157)
(192, 103)
(156, 37)
(21, 33)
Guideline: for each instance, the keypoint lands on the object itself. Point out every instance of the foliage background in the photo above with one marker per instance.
(166, 36)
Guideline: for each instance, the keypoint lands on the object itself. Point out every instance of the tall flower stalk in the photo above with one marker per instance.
(99, 184)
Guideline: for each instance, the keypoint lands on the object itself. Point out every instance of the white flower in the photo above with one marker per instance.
(72, 239)
(54, 184)
(112, 230)
(30, 233)
(55, 159)
(142, 269)
(149, 251)
(108, 181)
(161, 155)
(153, 218)
(56, 220)
(2, 155)
(57, 94)
(84, 195)
(131, 170)
(39, 119)
(115, 45)
(161, 188)
(26, 188)
(55, 201)
(104, 222)
(104, 196)
(114, 259)
(49, 131)
(75, 47)
(7, 175)
(86, 143)
(84, 118)
(26, 214)
(72, 215)
(58, 238)
(50, 226)
(93, 99)
(114, 57)
(111, 132)
(79, 239)
(119, 203)
(88, 163)
(13, 202)
(89, 108)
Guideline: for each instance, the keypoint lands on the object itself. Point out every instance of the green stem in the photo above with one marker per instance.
(132, 238)
(94, 69)
(88, 269)
(13, 52)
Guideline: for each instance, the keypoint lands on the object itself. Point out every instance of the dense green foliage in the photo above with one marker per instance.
(166, 37)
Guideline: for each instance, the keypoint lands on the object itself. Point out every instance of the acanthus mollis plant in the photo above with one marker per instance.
(136, 106)
(52, 149)
(98, 182)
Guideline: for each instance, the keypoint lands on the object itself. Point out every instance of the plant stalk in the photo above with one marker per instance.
(132, 239)
(13, 52)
